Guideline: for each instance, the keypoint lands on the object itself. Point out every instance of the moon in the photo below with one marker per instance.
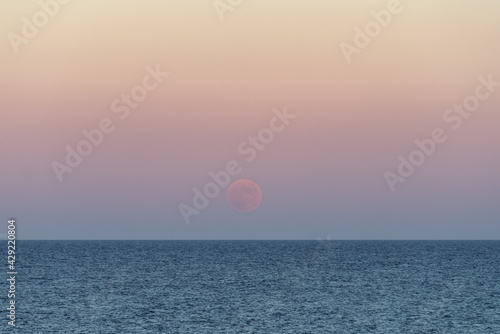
(244, 195)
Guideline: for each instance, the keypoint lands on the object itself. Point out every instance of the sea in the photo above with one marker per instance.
(198, 287)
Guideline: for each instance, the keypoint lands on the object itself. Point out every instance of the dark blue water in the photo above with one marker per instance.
(256, 287)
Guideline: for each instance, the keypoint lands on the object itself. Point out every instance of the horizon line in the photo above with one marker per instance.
(254, 239)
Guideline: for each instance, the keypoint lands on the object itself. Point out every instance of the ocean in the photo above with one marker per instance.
(255, 287)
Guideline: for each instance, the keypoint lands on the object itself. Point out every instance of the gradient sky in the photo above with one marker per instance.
(323, 175)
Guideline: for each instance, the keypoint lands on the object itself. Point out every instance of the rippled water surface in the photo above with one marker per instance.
(257, 287)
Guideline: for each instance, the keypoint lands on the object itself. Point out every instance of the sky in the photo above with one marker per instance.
(339, 91)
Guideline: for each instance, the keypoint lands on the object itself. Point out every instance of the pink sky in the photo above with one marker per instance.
(322, 175)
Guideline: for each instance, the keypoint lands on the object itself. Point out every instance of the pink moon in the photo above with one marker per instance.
(244, 195)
